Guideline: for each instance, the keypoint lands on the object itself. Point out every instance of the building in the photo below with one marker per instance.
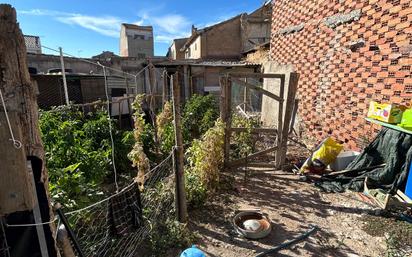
(175, 52)
(33, 44)
(255, 27)
(136, 41)
(229, 39)
(220, 41)
(347, 53)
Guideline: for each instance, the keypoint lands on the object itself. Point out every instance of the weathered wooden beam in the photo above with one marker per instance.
(178, 154)
(256, 75)
(292, 88)
(244, 160)
(254, 130)
(227, 119)
(259, 89)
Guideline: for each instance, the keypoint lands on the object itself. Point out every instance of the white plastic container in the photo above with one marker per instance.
(343, 160)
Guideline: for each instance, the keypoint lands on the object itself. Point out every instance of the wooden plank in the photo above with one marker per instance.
(295, 111)
(261, 165)
(259, 89)
(16, 191)
(227, 119)
(244, 160)
(404, 197)
(256, 75)
(292, 88)
(254, 130)
(222, 83)
(387, 125)
(280, 124)
(178, 154)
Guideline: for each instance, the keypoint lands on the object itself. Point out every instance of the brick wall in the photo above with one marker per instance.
(347, 53)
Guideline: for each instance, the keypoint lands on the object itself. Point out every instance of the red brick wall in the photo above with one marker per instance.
(337, 83)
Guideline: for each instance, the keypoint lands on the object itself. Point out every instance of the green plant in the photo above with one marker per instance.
(165, 129)
(166, 232)
(205, 159)
(242, 143)
(199, 115)
(137, 155)
(78, 153)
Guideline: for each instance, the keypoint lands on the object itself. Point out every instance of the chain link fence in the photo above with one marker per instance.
(117, 225)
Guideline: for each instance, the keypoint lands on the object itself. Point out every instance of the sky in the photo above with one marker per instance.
(88, 27)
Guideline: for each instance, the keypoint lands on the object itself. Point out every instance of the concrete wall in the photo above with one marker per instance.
(42, 63)
(347, 53)
(174, 50)
(223, 41)
(135, 42)
(195, 49)
(256, 27)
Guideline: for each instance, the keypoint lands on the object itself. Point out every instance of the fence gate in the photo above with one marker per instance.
(244, 98)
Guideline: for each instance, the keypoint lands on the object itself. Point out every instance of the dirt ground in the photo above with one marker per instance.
(293, 206)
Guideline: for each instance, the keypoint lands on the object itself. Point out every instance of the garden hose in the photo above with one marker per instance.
(313, 229)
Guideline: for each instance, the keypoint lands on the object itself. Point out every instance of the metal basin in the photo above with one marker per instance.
(252, 224)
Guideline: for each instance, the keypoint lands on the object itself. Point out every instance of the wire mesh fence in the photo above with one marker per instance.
(116, 226)
(4, 248)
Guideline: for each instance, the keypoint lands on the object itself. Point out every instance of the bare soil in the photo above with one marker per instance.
(293, 206)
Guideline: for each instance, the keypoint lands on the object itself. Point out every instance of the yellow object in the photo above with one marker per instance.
(326, 153)
(390, 113)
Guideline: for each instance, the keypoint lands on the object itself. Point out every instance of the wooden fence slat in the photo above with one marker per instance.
(259, 89)
(293, 83)
(256, 75)
(254, 130)
(244, 160)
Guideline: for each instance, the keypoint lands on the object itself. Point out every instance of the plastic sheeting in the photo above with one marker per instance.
(391, 147)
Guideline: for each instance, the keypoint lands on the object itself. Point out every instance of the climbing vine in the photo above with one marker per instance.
(165, 129)
(205, 160)
(137, 155)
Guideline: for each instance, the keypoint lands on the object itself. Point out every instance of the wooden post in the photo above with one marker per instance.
(280, 122)
(165, 91)
(292, 87)
(186, 82)
(178, 154)
(226, 116)
(20, 108)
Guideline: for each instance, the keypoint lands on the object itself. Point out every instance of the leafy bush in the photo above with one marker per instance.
(205, 159)
(137, 155)
(243, 142)
(78, 153)
(165, 128)
(199, 115)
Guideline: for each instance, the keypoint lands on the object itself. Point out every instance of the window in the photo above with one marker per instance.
(195, 46)
(141, 55)
(136, 36)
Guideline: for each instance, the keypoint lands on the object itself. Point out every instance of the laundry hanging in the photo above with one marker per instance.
(125, 211)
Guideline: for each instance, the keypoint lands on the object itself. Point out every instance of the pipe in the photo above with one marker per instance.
(282, 246)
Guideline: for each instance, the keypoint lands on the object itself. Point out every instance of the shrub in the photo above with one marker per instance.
(242, 143)
(205, 160)
(137, 155)
(78, 153)
(199, 115)
(165, 129)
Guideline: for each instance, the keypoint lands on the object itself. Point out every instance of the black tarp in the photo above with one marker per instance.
(391, 147)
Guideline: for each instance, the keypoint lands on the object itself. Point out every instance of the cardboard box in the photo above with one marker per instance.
(390, 113)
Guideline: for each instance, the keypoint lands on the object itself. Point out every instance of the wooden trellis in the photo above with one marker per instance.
(283, 117)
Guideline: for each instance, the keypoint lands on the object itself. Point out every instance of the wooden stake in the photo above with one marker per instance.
(292, 87)
(178, 154)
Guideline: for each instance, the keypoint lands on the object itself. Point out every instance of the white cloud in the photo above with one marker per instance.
(172, 24)
(108, 26)
(105, 25)
(166, 27)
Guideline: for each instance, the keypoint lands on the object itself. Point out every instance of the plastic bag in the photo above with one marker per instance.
(325, 154)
